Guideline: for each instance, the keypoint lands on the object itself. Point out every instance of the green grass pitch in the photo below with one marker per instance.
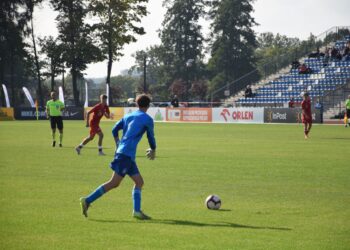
(278, 191)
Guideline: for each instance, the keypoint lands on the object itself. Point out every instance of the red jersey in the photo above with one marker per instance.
(306, 107)
(98, 111)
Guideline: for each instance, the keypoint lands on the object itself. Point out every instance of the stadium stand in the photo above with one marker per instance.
(328, 74)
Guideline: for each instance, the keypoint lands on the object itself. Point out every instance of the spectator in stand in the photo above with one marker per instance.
(327, 56)
(175, 102)
(303, 69)
(335, 54)
(347, 112)
(291, 103)
(316, 54)
(319, 106)
(248, 92)
(346, 53)
(295, 64)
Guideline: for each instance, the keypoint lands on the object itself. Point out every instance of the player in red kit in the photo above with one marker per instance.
(306, 114)
(98, 111)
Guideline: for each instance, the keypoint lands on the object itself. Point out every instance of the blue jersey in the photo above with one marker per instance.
(134, 125)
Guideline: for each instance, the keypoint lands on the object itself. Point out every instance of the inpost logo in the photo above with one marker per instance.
(279, 116)
(276, 116)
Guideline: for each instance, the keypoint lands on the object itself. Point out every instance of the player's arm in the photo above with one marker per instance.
(115, 131)
(151, 152)
(107, 113)
(88, 117)
(47, 111)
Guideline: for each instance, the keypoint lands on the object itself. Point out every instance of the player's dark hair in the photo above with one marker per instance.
(104, 96)
(306, 94)
(143, 101)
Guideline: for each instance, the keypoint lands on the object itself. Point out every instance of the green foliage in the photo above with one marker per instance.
(54, 63)
(124, 86)
(158, 68)
(15, 60)
(278, 191)
(182, 38)
(117, 27)
(233, 43)
(77, 41)
(117, 23)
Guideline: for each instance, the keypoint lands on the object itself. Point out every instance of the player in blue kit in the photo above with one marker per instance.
(134, 125)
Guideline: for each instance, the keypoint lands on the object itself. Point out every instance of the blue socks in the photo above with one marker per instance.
(95, 195)
(136, 195)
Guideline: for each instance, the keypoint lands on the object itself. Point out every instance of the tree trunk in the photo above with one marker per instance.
(63, 85)
(110, 57)
(39, 93)
(12, 80)
(108, 80)
(52, 77)
(74, 72)
(75, 88)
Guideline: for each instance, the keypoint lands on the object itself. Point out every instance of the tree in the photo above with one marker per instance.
(117, 26)
(233, 43)
(13, 54)
(30, 5)
(125, 86)
(179, 88)
(156, 68)
(54, 63)
(275, 52)
(182, 38)
(76, 39)
(199, 90)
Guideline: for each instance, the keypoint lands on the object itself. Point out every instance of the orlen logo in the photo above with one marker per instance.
(243, 115)
(225, 113)
(237, 115)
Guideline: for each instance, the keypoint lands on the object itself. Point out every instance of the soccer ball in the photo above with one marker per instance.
(213, 202)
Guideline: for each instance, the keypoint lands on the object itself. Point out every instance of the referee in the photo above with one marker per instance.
(53, 111)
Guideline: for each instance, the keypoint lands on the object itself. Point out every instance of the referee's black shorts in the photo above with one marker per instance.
(348, 113)
(56, 121)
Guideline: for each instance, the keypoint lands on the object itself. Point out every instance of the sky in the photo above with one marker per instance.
(287, 17)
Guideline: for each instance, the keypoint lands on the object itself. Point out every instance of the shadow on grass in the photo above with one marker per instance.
(336, 138)
(193, 224)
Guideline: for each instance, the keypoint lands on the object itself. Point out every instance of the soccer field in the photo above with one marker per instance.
(278, 191)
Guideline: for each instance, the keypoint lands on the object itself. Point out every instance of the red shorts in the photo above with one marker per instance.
(307, 119)
(94, 129)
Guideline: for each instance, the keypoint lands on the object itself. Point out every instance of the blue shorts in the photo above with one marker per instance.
(123, 165)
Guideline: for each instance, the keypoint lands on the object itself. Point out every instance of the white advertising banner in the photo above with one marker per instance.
(60, 94)
(238, 115)
(6, 96)
(158, 114)
(29, 97)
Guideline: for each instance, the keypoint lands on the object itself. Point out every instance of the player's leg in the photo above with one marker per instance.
(84, 142)
(100, 139)
(60, 128)
(309, 128)
(135, 175)
(305, 130)
(53, 130)
(101, 190)
(136, 192)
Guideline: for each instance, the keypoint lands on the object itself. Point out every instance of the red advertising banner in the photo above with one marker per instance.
(189, 114)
